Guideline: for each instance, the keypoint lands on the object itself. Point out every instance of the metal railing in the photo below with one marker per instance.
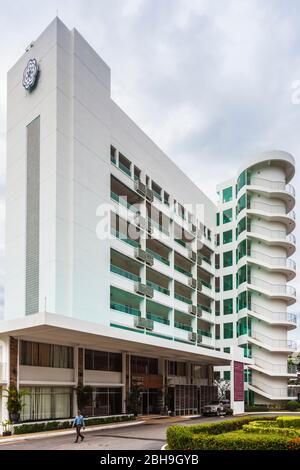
(274, 343)
(158, 319)
(183, 299)
(183, 326)
(269, 389)
(273, 185)
(158, 288)
(272, 209)
(275, 368)
(274, 260)
(125, 309)
(158, 257)
(123, 202)
(122, 272)
(276, 289)
(273, 234)
(278, 316)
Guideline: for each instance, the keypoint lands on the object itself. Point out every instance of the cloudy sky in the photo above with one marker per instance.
(211, 81)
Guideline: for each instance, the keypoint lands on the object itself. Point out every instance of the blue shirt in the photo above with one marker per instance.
(78, 421)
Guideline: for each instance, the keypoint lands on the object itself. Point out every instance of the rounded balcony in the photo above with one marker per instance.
(279, 264)
(273, 213)
(272, 369)
(285, 319)
(272, 344)
(273, 237)
(273, 291)
(275, 189)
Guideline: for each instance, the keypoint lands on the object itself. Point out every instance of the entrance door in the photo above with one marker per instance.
(151, 401)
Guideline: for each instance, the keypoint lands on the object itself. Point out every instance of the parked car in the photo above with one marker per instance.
(217, 408)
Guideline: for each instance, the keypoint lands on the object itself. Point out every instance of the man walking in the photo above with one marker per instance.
(78, 423)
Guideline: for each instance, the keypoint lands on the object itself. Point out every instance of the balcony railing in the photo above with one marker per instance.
(125, 169)
(273, 185)
(207, 259)
(273, 234)
(276, 289)
(158, 319)
(123, 202)
(272, 209)
(270, 389)
(206, 284)
(183, 271)
(158, 288)
(124, 273)
(183, 326)
(274, 368)
(161, 228)
(184, 299)
(274, 343)
(125, 309)
(124, 238)
(205, 333)
(274, 260)
(205, 308)
(158, 257)
(276, 316)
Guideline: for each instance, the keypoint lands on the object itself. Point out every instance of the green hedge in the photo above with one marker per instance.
(288, 421)
(228, 435)
(29, 428)
(249, 428)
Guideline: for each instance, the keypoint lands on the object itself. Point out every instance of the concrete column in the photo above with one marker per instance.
(13, 362)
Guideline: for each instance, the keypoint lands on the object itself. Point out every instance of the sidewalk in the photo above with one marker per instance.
(65, 432)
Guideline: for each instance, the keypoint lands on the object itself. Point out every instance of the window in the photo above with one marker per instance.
(244, 326)
(228, 282)
(46, 403)
(242, 203)
(218, 219)
(46, 355)
(177, 368)
(227, 375)
(113, 155)
(226, 350)
(242, 301)
(227, 194)
(228, 330)
(228, 306)
(227, 237)
(227, 259)
(242, 275)
(104, 361)
(217, 308)
(242, 226)
(217, 261)
(144, 365)
(247, 350)
(227, 216)
(242, 250)
(243, 180)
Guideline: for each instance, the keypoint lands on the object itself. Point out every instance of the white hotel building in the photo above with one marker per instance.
(120, 271)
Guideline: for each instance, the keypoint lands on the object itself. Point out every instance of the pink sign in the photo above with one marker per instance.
(238, 381)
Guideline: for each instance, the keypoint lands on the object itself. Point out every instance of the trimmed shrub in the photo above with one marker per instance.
(294, 444)
(240, 441)
(293, 406)
(29, 428)
(249, 428)
(256, 408)
(288, 421)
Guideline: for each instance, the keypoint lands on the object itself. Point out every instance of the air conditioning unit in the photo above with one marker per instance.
(140, 188)
(140, 288)
(193, 337)
(192, 256)
(149, 259)
(192, 283)
(140, 254)
(144, 324)
(199, 312)
(199, 340)
(192, 228)
(199, 260)
(193, 309)
(149, 195)
(149, 292)
(199, 286)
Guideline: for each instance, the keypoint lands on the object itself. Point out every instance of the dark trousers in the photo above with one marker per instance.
(78, 433)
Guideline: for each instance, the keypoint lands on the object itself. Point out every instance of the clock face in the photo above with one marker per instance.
(30, 75)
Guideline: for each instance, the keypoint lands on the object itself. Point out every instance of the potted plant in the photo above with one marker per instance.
(6, 427)
(15, 402)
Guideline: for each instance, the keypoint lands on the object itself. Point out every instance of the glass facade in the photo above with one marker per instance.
(228, 282)
(242, 204)
(104, 401)
(45, 355)
(42, 403)
(227, 194)
(227, 237)
(105, 361)
(228, 330)
(228, 306)
(227, 216)
(227, 259)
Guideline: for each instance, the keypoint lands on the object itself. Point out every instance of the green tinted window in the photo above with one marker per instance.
(227, 194)
(227, 216)
(226, 350)
(242, 225)
(227, 259)
(218, 219)
(227, 375)
(227, 237)
(242, 250)
(242, 181)
(242, 275)
(228, 306)
(242, 301)
(228, 330)
(228, 282)
(242, 203)
(244, 326)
